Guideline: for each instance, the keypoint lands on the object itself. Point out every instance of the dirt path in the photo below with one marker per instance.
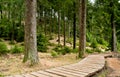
(114, 65)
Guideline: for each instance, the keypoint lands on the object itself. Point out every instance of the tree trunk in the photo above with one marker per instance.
(31, 54)
(64, 32)
(114, 42)
(82, 38)
(1, 14)
(74, 28)
(68, 23)
(45, 28)
(50, 24)
(13, 31)
(58, 27)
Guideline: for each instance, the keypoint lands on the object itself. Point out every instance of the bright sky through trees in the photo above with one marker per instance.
(92, 1)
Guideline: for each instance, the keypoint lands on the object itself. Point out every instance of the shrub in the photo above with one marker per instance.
(62, 50)
(2, 75)
(67, 49)
(17, 49)
(118, 46)
(89, 37)
(94, 44)
(54, 54)
(3, 48)
(1, 40)
(89, 51)
(69, 40)
(12, 42)
(75, 50)
(42, 43)
(97, 50)
(50, 38)
(58, 48)
(51, 44)
(102, 41)
(87, 44)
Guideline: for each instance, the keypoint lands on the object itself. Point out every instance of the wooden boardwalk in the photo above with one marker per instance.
(85, 68)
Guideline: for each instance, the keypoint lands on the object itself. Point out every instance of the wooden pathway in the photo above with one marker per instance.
(85, 68)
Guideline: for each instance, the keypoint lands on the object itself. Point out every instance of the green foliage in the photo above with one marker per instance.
(54, 54)
(58, 48)
(98, 20)
(1, 40)
(89, 37)
(2, 75)
(118, 46)
(50, 38)
(94, 43)
(67, 49)
(12, 42)
(42, 43)
(62, 50)
(17, 49)
(20, 33)
(69, 40)
(75, 50)
(3, 48)
(97, 50)
(51, 44)
(89, 51)
(102, 41)
(87, 44)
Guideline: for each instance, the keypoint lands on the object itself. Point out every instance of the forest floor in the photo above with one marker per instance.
(11, 64)
(113, 65)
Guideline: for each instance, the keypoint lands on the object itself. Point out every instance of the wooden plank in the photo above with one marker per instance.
(96, 62)
(86, 69)
(28, 75)
(86, 66)
(93, 62)
(78, 70)
(49, 74)
(82, 68)
(63, 74)
(87, 63)
(68, 72)
(38, 75)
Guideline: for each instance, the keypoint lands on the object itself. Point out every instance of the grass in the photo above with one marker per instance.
(11, 64)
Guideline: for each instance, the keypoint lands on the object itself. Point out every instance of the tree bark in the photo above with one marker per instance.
(30, 54)
(45, 23)
(1, 14)
(64, 32)
(13, 31)
(74, 28)
(58, 27)
(114, 40)
(82, 38)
